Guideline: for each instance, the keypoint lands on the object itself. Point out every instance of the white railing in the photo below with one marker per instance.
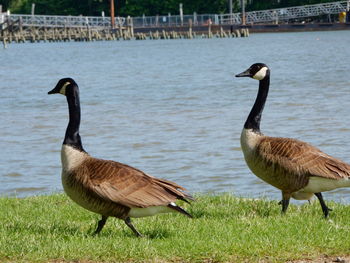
(265, 16)
(175, 20)
(66, 21)
(284, 14)
(2, 17)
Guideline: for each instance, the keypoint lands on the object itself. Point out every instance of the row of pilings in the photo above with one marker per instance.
(20, 34)
(163, 34)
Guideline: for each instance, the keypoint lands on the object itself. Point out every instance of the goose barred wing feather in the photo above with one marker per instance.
(130, 187)
(301, 158)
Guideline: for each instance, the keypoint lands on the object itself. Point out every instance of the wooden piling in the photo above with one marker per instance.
(130, 26)
(190, 29)
(238, 33)
(210, 34)
(16, 32)
(4, 41)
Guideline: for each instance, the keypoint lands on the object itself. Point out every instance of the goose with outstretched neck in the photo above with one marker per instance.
(110, 188)
(297, 168)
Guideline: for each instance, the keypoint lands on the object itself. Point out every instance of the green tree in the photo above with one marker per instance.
(140, 7)
(163, 7)
(59, 7)
(270, 4)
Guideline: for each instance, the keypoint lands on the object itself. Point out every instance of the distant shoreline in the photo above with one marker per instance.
(15, 32)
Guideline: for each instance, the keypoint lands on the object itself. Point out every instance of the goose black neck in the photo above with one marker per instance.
(72, 137)
(254, 117)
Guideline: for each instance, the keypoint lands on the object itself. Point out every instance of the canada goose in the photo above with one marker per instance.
(297, 168)
(106, 187)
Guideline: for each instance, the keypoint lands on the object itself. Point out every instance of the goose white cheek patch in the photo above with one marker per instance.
(260, 74)
(63, 89)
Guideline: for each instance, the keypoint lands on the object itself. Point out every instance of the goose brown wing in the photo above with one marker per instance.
(298, 157)
(128, 186)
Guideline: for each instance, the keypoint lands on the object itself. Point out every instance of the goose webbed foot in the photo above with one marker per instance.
(325, 208)
(100, 224)
(129, 224)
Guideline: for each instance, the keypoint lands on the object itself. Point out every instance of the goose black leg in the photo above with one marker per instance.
(101, 224)
(285, 204)
(325, 209)
(129, 224)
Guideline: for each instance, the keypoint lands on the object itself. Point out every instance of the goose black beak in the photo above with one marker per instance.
(244, 74)
(54, 91)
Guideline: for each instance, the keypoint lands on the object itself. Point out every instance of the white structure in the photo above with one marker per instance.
(264, 16)
(284, 14)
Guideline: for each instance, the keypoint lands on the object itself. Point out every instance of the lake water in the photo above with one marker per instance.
(172, 108)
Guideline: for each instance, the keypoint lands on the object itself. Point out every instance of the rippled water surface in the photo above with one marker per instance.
(171, 107)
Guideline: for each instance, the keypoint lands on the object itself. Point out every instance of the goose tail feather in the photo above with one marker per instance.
(179, 209)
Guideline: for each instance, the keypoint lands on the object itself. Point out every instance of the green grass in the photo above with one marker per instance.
(224, 228)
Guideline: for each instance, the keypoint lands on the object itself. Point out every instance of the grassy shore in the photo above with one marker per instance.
(225, 228)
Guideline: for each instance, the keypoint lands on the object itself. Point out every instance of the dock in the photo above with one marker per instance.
(25, 28)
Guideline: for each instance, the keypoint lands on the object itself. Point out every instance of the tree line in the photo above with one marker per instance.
(136, 8)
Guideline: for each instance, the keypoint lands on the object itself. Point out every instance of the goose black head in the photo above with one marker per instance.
(256, 71)
(62, 85)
